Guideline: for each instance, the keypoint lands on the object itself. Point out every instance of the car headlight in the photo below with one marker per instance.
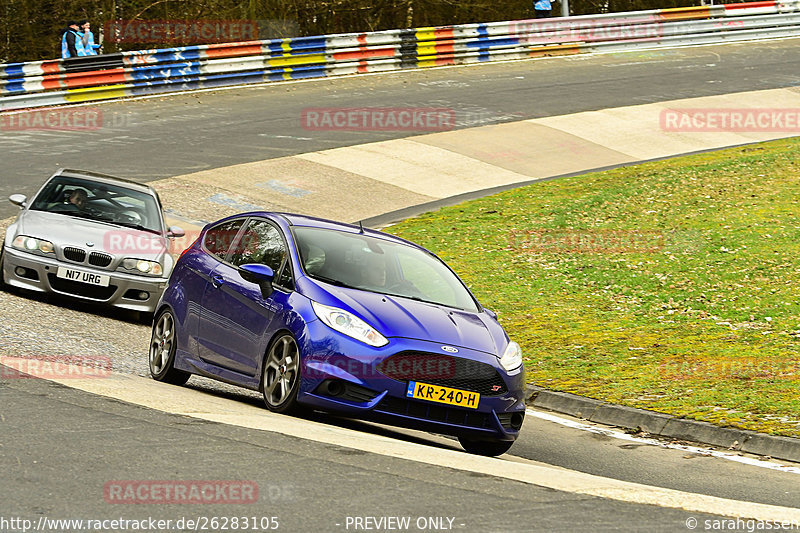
(142, 265)
(512, 358)
(31, 244)
(349, 324)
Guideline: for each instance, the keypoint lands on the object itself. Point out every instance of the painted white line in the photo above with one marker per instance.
(187, 402)
(653, 442)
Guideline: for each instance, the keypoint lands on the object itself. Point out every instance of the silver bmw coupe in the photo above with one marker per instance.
(91, 237)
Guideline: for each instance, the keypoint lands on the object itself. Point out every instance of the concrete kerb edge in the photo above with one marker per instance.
(663, 425)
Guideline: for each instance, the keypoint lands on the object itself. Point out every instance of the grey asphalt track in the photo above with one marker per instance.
(308, 486)
(101, 440)
(159, 137)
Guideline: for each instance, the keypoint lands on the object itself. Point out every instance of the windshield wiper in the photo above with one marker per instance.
(139, 227)
(84, 215)
(333, 281)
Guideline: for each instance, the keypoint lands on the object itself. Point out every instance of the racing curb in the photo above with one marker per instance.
(663, 425)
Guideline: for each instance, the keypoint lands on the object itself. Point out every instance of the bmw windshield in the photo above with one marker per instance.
(364, 262)
(99, 201)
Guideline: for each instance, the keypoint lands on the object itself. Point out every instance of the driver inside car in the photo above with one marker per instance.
(77, 200)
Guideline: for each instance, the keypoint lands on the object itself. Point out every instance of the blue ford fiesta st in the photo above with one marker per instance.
(319, 314)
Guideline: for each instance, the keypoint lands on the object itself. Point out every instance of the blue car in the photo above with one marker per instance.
(334, 317)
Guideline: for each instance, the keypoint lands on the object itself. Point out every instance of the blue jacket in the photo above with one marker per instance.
(65, 52)
(542, 5)
(90, 49)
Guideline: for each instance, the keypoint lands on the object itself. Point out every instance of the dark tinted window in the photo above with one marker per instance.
(261, 242)
(219, 239)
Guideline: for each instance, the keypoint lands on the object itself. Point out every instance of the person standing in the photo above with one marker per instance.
(87, 38)
(541, 9)
(71, 42)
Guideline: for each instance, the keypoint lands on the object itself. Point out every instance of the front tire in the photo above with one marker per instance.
(490, 448)
(163, 344)
(280, 379)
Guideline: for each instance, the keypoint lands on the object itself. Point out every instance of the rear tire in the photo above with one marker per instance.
(489, 448)
(280, 378)
(163, 344)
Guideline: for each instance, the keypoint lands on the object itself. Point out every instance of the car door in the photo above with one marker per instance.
(237, 317)
(196, 271)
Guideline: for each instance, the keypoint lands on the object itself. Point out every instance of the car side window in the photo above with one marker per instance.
(219, 239)
(262, 243)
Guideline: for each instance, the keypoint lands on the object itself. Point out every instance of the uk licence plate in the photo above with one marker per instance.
(439, 394)
(82, 276)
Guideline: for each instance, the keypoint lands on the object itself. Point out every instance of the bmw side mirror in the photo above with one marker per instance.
(18, 199)
(175, 231)
(260, 274)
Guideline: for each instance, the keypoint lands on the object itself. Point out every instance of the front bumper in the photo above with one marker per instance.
(38, 273)
(352, 384)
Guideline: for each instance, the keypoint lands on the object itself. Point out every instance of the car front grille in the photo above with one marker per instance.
(444, 370)
(435, 413)
(100, 259)
(81, 289)
(75, 255)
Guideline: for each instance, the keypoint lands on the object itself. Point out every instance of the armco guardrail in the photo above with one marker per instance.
(47, 83)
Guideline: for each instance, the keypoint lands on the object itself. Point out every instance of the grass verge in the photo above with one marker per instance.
(672, 286)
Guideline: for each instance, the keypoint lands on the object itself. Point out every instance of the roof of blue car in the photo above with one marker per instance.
(315, 222)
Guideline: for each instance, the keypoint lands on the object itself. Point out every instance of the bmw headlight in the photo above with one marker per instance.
(31, 244)
(143, 266)
(349, 324)
(512, 358)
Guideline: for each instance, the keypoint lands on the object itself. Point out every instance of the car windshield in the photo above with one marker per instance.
(360, 261)
(114, 204)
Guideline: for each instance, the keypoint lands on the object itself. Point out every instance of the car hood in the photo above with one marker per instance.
(401, 317)
(64, 230)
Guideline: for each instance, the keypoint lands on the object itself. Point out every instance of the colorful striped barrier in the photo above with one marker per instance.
(54, 82)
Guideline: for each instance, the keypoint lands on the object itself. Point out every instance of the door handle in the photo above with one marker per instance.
(217, 281)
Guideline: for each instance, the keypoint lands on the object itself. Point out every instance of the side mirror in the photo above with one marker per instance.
(490, 313)
(175, 231)
(260, 274)
(18, 199)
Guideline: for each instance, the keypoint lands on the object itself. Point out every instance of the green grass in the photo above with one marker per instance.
(683, 297)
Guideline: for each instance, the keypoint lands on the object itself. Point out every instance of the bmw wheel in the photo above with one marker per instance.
(162, 351)
(281, 376)
(491, 448)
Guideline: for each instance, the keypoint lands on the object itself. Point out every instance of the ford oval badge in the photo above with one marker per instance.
(450, 349)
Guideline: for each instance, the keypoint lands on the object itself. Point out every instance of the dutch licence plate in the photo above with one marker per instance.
(82, 276)
(437, 393)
